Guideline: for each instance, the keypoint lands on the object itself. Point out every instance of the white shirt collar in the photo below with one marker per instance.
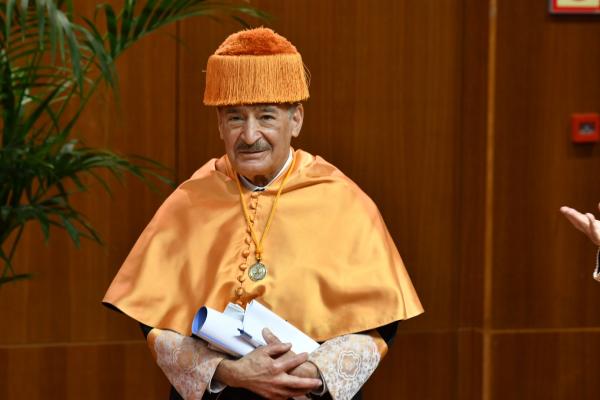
(252, 187)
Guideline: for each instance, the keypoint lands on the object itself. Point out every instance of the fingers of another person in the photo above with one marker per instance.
(577, 219)
(590, 217)
(593, 230)
(586, 223)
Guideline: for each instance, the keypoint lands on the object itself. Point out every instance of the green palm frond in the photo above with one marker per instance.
(51, 63)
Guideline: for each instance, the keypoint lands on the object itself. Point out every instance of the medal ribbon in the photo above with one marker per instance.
(259, 243)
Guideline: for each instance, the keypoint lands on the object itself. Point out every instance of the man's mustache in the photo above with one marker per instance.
(259, 145)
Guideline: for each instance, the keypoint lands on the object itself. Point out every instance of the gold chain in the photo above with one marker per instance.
(259, 243)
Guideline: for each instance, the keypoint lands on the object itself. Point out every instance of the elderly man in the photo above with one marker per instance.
(269, 223)
(587, 224)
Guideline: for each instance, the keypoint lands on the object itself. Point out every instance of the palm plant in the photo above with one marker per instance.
(51, 63)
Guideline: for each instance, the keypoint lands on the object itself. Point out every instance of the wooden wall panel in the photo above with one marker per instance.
(550, 366)
(429, 365)
(92, 371)
(547, 68)
(470, 366)
(471, 206)
(413, 360)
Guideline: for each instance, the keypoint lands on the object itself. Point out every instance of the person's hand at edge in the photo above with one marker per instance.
(586, 223)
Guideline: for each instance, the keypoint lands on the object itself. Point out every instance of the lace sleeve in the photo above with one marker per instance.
(346, 362)
(187, 362)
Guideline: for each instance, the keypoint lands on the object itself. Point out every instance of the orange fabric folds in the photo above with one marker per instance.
(332, 265)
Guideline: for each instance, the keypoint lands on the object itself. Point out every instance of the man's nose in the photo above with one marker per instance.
(251, 132)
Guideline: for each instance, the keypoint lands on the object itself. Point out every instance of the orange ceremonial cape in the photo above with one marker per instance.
(332, 265)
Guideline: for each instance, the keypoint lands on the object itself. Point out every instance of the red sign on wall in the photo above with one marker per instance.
(575, 6)
(584, 128)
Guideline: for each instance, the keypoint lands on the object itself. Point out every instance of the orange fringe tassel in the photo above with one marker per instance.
(252, 79)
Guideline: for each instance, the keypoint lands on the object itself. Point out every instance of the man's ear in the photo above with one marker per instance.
(219, 122)
(297, 119)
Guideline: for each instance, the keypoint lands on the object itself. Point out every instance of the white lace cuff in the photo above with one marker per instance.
(345, 363)
(187, 362)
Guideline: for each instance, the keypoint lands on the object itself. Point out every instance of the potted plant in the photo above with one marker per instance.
(52, 61)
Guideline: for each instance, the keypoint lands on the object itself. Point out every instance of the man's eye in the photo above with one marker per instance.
(235, 118)
(267, 117)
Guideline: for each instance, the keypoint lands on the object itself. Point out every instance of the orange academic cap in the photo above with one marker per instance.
(255, 66)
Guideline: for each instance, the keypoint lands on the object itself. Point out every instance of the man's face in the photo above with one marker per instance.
(257, 137)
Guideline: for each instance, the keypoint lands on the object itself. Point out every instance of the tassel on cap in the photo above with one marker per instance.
(255, 66)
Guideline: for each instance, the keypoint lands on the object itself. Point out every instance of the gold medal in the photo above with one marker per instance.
(257, 271)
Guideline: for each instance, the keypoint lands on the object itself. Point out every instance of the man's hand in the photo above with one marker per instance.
(264, 371)
(304, 370)
(586, 223)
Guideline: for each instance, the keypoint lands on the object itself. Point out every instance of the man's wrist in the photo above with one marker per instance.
(226, 373)
(323, 388)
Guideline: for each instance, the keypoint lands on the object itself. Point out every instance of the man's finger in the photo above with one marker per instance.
(591, 222)
(277, 349)
(580, 223)
(286, 356)
(571, 212)
(269, 336)
(300, 384)
(288, 363)
(593, 229)
(577, 219)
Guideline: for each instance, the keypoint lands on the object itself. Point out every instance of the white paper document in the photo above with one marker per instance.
(237, 331)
